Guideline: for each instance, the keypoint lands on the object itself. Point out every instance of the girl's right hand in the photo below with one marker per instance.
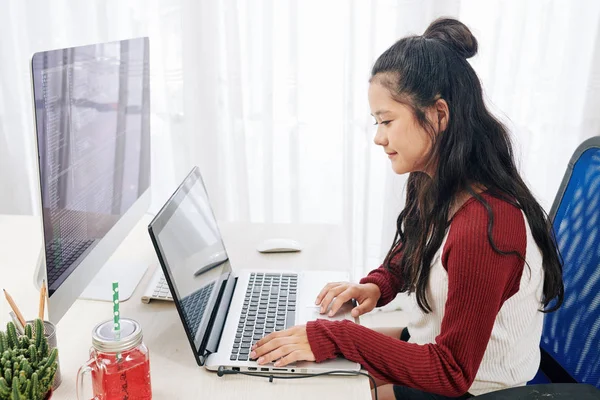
(366, 295)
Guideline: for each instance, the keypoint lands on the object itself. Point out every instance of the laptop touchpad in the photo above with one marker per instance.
(313, 313)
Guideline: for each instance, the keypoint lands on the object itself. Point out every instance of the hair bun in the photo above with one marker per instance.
(455, 34)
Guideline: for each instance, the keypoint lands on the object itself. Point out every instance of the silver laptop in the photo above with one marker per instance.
(225, 311)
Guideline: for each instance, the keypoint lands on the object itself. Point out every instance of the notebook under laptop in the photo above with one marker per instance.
(225, 311)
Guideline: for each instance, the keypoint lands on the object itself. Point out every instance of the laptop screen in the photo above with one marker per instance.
(191, 251)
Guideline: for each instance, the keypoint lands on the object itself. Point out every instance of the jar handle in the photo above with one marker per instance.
(85, 368)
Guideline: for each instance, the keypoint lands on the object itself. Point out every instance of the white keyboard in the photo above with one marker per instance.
(157, 288)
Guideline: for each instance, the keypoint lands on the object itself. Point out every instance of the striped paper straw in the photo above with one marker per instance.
(116, 314)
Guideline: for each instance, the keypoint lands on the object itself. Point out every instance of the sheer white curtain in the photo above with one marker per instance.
(539, 62)
(269, 97)
(280, 89)
(30, 26)
(291, 117)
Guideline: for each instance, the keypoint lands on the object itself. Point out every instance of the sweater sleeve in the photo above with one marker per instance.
(479, 281)
(389, 281)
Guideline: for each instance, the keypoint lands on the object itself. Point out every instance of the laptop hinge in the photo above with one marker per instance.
(218, 318)
(203, 359)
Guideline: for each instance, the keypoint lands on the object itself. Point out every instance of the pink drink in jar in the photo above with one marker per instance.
(120, 367)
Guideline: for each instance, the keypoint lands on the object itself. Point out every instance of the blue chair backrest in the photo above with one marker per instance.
(571, 335)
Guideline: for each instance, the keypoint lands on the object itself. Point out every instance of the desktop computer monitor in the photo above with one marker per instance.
(92, 120)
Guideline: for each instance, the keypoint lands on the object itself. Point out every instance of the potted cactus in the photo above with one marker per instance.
(27, 366)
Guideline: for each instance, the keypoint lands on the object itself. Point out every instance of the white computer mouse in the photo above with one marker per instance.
(279, 245)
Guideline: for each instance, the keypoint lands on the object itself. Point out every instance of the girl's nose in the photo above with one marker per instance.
(380, 138)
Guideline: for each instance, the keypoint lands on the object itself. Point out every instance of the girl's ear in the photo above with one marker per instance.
(443, 114)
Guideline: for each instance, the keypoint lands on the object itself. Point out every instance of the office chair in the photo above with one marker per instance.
(570, 345)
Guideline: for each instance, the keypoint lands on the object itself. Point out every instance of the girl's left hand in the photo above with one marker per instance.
(285, 346)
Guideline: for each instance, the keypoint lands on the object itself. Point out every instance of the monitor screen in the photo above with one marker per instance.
(192, 253)
(92, 110)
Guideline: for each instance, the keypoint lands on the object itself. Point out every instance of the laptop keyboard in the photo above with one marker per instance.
(194, 306)
(269, 305)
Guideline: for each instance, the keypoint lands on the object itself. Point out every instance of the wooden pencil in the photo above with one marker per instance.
(14, 307)
(42, 307)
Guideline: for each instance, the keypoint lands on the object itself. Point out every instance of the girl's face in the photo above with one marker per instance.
(403, 139)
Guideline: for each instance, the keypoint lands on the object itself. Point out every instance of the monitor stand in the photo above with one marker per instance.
(127, 273)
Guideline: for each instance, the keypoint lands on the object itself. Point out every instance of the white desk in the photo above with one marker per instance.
(175, 374)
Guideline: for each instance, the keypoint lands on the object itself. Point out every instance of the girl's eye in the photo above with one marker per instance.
(382, 123)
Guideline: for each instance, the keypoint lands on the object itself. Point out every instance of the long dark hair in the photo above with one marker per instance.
(474, 149)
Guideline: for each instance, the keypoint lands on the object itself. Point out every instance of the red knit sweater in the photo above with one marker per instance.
(479, 282)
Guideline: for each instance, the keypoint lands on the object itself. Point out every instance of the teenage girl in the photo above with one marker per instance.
(473, 248)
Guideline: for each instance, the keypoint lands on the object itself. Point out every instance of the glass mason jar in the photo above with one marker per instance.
(120, 366)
